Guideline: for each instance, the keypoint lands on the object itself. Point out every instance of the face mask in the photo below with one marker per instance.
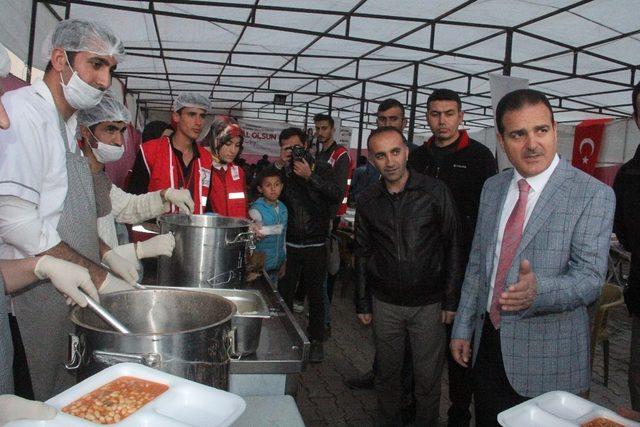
(79, 94)
(106, 153)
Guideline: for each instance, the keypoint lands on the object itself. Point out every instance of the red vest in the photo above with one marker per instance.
(227, 196)
(165, 171)
(337, 153)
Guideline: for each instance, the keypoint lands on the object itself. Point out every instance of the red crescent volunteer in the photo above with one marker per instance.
(177, 161)
(227, 195)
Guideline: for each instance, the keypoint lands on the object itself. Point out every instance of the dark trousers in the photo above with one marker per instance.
(460, 390)
(309, 266)
(21, 377)
(634, 364)
(391, 325)
(493, 392)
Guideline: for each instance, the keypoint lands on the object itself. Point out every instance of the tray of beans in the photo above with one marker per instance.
(561, 409)
(129, 394)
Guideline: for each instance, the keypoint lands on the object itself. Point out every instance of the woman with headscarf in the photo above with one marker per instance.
(227, 193)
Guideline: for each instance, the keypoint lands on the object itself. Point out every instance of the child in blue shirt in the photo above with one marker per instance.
(271, 214)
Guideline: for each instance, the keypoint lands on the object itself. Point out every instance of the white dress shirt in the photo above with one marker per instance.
(32, 169)
(537, 184)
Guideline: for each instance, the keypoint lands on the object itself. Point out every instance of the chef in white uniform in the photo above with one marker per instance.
(47, 205)
(14, 276)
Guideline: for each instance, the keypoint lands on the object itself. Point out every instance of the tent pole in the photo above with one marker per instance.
(32, 36)
(414, 100)
(506, 68)
(306, 116)
(361, 123)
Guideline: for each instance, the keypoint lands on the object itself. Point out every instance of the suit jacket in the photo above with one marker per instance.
(566, 239)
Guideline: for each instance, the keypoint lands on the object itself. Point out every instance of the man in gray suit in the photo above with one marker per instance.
(539, 257)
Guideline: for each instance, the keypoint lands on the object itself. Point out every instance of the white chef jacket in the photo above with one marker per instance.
(33, 166)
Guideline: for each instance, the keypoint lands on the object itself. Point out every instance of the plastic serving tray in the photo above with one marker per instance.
(184, 404)
(557, 408)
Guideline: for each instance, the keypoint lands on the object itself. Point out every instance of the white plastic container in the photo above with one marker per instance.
(558, 409)
(184, 404)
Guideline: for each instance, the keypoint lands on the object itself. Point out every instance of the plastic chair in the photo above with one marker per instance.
(611, 297)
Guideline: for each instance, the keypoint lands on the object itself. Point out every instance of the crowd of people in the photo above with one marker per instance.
(490, 273)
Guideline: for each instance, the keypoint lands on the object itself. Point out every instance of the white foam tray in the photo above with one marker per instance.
(184, 404)
(557, 409)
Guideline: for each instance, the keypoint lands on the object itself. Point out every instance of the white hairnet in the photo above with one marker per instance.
(108, 110)
(79, 35)
(5, 62)
(194, 100)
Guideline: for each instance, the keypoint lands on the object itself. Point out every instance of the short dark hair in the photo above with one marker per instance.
(444, 95)
(292, 131)
(362, 160)
(154, 130)
(382, 130)
(634, 100)
(266, 173)
(390, 103)
(518, 99)
(321, 117)
(70, 55)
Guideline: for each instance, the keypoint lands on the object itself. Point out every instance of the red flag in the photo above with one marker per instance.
(586, 144)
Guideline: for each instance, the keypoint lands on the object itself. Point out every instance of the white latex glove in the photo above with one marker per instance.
(161, 244)
(16, 408)
(124, 268)
(113, 284)
(181, 198)
(67, 278)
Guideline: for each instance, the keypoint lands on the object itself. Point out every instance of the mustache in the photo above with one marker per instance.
(533, 152)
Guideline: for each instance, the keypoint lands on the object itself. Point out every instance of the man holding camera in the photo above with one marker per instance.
(310, 191)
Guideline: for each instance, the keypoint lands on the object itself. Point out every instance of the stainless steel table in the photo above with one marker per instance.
(283, 351)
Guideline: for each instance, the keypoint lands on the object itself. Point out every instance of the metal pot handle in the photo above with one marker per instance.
(231, 345)
(212, 280)
(76, 352)
(246, 237)
(152, 360)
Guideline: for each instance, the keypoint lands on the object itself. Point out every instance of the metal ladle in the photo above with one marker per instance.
(105, 315)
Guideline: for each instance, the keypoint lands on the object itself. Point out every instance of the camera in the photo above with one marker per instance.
(299, 152)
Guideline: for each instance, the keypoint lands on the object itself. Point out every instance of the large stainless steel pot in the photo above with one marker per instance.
(182, 332)
(209, 252)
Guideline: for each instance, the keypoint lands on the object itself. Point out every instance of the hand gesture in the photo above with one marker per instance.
(520, 295)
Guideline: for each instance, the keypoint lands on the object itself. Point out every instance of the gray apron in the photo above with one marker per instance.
(6, 347)
(102, 189)
(41, 311)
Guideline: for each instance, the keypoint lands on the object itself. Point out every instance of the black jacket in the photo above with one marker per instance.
(340, 171)
(626, 224)
(464, 171)
(309, 203)
(407, 250)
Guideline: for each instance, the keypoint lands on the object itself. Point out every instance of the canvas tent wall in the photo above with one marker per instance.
(344, 56)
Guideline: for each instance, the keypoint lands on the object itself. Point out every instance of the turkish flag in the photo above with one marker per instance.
(586, 144)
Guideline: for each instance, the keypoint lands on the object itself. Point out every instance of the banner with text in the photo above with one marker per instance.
(261, 136)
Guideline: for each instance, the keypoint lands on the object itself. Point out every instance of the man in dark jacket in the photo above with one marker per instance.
(408, 275)
(309, 192)
(626, 225)
(464, 165)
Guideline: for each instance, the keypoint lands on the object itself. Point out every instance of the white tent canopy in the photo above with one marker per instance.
(345, 56)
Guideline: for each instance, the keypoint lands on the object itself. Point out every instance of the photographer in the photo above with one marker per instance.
(310, 189)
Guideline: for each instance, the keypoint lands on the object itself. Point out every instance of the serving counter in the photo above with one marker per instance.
(282, 352)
